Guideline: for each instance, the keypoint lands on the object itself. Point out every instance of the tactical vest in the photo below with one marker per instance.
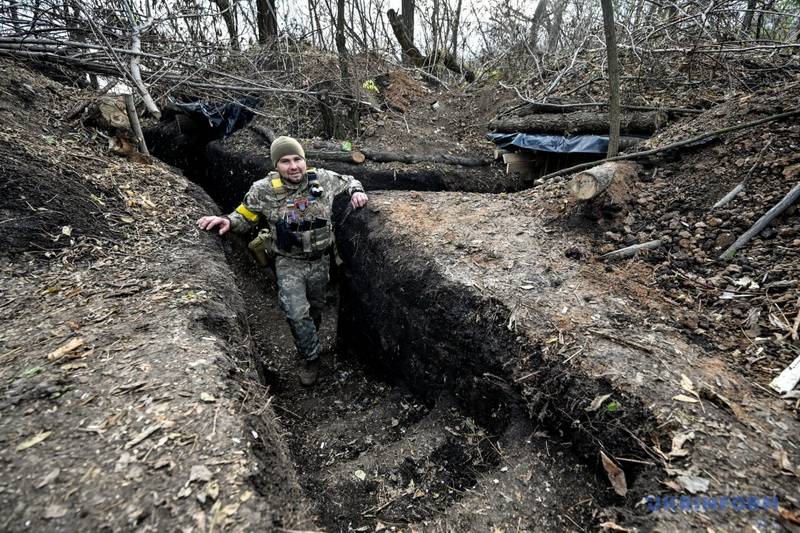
(304, 229)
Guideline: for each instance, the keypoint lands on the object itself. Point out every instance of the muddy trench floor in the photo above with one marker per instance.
(370, 455)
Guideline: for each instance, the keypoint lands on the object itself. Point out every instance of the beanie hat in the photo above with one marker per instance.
(283, 146)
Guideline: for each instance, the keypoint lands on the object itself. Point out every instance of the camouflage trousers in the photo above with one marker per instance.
(301, 292)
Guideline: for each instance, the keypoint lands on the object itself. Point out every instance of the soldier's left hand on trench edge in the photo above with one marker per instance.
(359, 199)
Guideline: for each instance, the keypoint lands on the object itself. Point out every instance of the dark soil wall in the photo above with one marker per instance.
(401, 314)
(226, 168)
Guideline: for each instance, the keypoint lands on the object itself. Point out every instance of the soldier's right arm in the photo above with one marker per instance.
(246, 216)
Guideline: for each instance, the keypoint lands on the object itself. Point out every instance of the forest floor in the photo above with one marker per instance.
(131, 345)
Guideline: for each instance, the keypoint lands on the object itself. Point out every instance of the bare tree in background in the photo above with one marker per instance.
(267, 20)
(454, 39)
(226, 11)
(613, 76)
(407, 15)
(555, 28)
(536, 23)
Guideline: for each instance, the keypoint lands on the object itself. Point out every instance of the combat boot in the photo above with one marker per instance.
(309, 372)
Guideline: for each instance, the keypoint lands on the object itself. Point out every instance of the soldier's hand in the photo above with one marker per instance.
(210, 222)
(359, 199)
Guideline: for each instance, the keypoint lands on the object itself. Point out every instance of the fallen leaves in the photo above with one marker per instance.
(693, 484)
(206, 397)
(685, 399)
(70, 346)
(597, 403)
(200, 473)
(55, 511)
(615, 475)
(33, 441)
(49, 478)
(785, 465)
(677, 444)
(146, 432)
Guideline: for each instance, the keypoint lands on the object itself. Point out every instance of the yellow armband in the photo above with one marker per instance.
(246, 213)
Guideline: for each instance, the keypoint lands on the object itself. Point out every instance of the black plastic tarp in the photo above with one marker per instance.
(226, 118)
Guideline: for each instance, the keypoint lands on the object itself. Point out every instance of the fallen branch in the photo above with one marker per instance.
(136, 73)
(736, 190)
(133, 117)
(672, 146)
(264, 131)
(762, 222)
(630, 251)
(78, 109)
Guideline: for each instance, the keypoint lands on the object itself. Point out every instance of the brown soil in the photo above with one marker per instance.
(128, 397)
(482, 358)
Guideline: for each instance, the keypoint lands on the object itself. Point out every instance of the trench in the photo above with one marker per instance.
(416, 419)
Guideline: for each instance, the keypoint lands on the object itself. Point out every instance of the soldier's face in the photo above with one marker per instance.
(291, 167)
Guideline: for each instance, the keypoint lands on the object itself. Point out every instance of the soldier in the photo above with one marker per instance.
(295, 202)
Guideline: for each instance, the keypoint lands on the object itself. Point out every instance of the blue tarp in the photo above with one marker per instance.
(584, 144)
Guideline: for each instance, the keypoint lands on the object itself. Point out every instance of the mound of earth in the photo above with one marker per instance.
(129, 398)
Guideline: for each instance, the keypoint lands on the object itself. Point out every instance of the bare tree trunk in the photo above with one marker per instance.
(748, 17)
(536, 23)
(613, 76)
(12, 7)
(456, 21)
(267, 20)
(226, 10)
(434, 51)
(555, 29)
(407, 15)
(340, 42)
(406, 43)
(341, 47)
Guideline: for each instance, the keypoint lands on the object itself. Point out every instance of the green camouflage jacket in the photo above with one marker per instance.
(299, 221)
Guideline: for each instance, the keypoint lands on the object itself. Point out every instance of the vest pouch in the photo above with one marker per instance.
(262, 247)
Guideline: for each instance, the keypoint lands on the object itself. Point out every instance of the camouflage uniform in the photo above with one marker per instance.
(301, 237)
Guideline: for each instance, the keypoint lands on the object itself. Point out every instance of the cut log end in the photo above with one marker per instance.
(593, 182)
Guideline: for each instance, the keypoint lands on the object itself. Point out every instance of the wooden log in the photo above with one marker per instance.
(108, 113)
(517, 157)
(762, 222)
(596, 180)
(532, 108)
(346, 157)
(579, 122)
(447, 159)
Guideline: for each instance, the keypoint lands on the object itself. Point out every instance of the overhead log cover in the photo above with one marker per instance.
(580, 122)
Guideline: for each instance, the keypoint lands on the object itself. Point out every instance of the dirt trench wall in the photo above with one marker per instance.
(401, 313)
(226, 168)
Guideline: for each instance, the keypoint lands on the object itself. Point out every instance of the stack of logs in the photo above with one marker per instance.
(566, 119)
